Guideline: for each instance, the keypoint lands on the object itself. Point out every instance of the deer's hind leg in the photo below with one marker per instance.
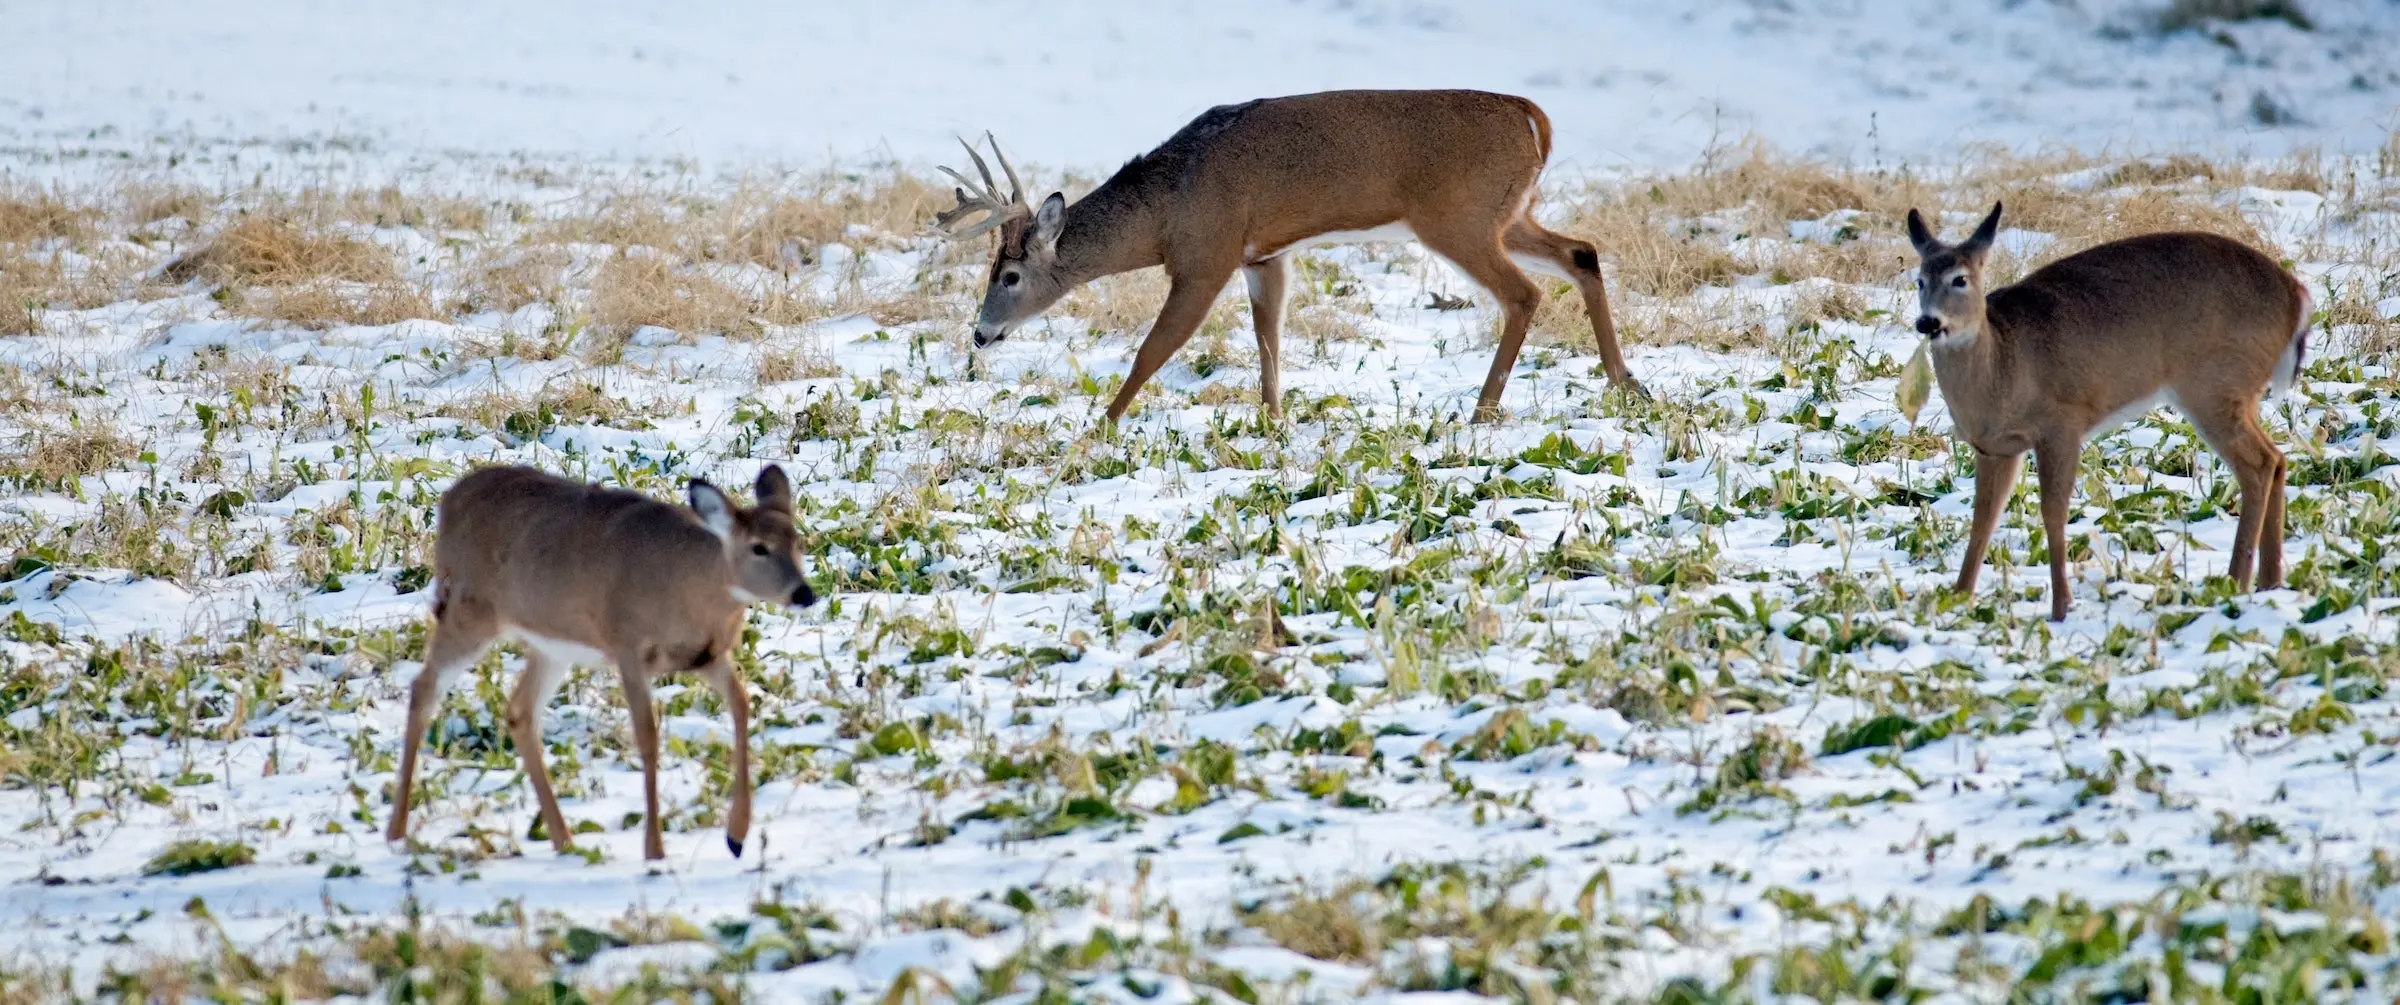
(462, 628)
(539, 680)
(1542, 250)
(1477, 251)
(2232, 430)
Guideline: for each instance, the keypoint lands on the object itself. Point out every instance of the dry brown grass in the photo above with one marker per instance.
(778, 226)
(390, 207)
(1821, 302)
(26, 284)
(1117, 304)
(325, 304)
(513, 413)
(268, 251)
(636, 290)
(510, 277)
(58, 458)
(776, 366)
(1330, 927)
(32, 215)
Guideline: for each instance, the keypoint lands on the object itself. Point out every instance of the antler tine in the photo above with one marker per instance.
(973, 198)
(991, 189)
(1016, 189)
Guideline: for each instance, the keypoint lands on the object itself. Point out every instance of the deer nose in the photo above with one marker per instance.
(802, 598)
(1927, 324)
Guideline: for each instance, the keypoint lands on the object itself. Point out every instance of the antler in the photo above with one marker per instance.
(985, 198)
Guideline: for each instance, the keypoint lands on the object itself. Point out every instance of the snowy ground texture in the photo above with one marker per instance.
(1616, 699)
(1090, 82)
(1609, 695)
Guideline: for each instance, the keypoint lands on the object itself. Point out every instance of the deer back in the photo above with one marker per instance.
(1281, 169)
(2114, 326)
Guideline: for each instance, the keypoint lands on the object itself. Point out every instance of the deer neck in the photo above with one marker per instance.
(1112, 230)
(1977, 374)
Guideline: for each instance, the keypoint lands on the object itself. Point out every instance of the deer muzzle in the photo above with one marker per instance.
(1927, 324)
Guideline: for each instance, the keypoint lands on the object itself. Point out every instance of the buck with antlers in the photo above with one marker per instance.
(583, 574)
(1243, 185)
(2197, 321)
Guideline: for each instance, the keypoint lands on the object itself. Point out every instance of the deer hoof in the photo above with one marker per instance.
(735, 844)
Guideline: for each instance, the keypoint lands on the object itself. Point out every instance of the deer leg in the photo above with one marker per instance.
(1535, 247)
(2235, 436)
(643, 709)
(535, 685)
(1268, 282)
(2054, 473)
(728, 681)
(2270, 531)
(1483, 259)
(461, 630)
(1188, 300)
(1995, 478)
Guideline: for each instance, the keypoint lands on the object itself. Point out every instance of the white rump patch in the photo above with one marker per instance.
(2287, 365)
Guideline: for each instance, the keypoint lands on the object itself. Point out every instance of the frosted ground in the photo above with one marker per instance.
(1615, 699)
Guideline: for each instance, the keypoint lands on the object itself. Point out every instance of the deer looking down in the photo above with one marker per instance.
(583, 574)
(2197, 321)
(1243, 185)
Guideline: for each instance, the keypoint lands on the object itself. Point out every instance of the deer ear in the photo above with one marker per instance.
(1920, 236)
(1985, 233)
(1049, 220)
(774, 489)
(716, 511)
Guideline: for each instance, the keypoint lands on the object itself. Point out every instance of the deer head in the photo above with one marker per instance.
(762, 550)
(1950, 280)
(1024, 279)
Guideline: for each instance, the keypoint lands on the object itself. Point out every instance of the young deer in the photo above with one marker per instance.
(583, 574)
(1243, 185)
(2200, 322)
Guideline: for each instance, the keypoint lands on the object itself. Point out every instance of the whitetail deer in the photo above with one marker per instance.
(2198, 321)
(583, 574)
(1243, 185)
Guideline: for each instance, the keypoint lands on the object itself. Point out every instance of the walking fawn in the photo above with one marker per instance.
(2200, 322)
(1243, 185)
(582, 574)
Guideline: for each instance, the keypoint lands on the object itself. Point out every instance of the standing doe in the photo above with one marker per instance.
(2198, 321)
(1243, 185)
(583, 574)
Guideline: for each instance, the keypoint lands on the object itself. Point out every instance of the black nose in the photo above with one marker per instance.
(801, 597)
(981, 341)
(1928, 324)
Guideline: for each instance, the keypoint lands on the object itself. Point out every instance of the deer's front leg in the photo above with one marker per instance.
(643, 709)
(1268, 282)
(1995, 478)
(1188, 300)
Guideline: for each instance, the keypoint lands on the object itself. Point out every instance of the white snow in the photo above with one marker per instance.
(1086, 83)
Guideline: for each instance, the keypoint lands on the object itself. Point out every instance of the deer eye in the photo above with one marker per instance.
(758, 549)
(1959, 282)
(1008, 279)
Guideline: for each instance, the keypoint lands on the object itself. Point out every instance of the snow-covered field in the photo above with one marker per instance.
(1614, 699)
